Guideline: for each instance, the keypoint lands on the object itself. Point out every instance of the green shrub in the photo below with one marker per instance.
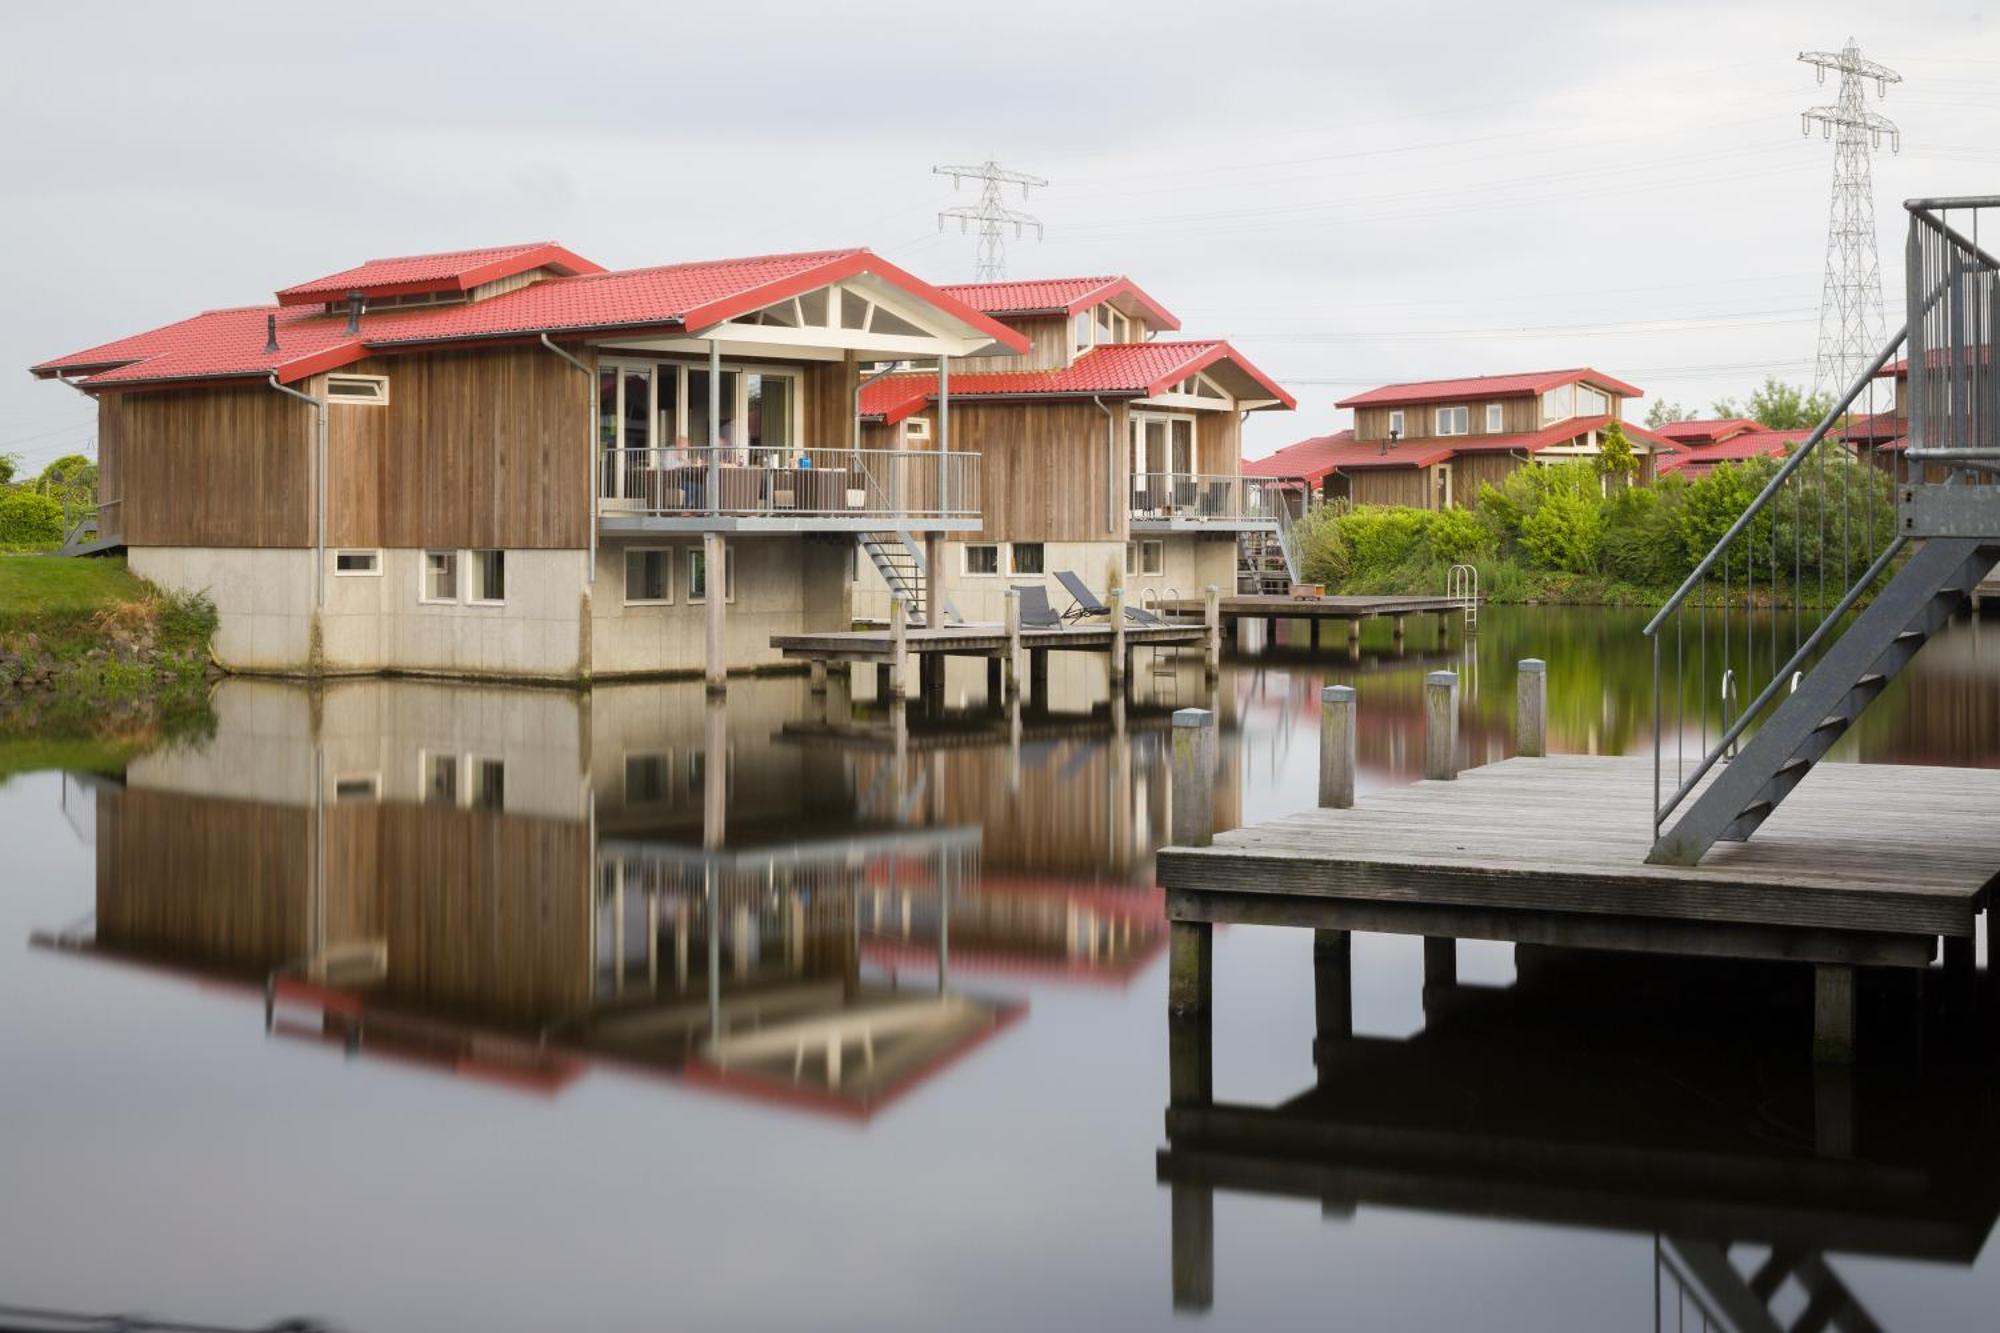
(1383, 537)
(1457, 536)
(1324, 555)
(1642, 536)
(1565, 532)
(30, 521)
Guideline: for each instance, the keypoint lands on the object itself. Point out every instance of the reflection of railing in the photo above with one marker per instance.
(824, 483)
(1201, 496)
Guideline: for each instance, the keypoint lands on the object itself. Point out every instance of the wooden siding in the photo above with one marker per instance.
(209, 466)
(1218, 443)
(827, 414)
(1048, 349)
(1517, 416)
(1044, 474)
(1471, 471)
(1392, 486)
(475, 449)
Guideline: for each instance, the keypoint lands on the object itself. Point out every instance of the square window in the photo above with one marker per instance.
(982, 558)
(1152, 557)
(440, 576)
(357, 562)
(489, 577)
(645, 779)
(439, 775)
(1495, 419)
(1028, 558)
(489, 784)
(649, 576)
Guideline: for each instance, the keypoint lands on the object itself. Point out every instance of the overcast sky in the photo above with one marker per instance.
(1353, 193)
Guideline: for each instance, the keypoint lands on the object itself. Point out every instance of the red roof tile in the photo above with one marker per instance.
(1314, 458)
(1059, 296)
(452, 271)
(1119, 370)
(1759, 443)
(224, 344)
(1875, 426)
(1701, 432)
(1485, 386)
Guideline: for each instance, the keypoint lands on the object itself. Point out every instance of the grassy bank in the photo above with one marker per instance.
(95, 664)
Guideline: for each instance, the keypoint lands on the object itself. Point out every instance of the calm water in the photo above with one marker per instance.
(631, 1012)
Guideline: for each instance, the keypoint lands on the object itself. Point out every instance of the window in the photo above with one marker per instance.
(982, 558)
(1396, 422)
(437, 774)
(440, 576)
(917, 432)
(1558, 404)
(367, 788)
(697, 571)
(369, 390)
(645, 779)
(1453, 420)
(489, 783)
(1082, 329)
(1027, 557)
(1495, 419)
(768, 417)
(1591, 403)
(357, 562)
(1152, 557)
(489, 577)
(649, 576)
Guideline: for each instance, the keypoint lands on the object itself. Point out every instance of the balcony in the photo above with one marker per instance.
(1198, 502)
(703, 489)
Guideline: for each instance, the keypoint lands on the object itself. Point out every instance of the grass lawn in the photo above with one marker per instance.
(60, 587)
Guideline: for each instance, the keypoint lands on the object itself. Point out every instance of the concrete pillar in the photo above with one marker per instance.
(899, 646)
(1336, 747)
(1531, 708)
(1833, 1014)
(934, 615)
(1118, 660)
(1211, 619)
(715, 775)
(1016, 664)
(715, 579)
(1191, 777)
(1441, 725)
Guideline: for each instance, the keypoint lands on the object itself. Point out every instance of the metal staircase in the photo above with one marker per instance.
(1698, 1285)
(1922, 529)
(899, 558)
(1267, 560)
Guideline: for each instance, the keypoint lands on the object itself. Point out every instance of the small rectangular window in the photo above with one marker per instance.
(439, 775)
(489, 577)
(1152, 557)
(369, 390)
(982, 558)
(1495, 419)
(1028, 558)
(1396, 422)
(1082, 329)
(1453, 420)
(645, 779)
(489, 784)
(649, 576)
(440, 576)
(1131, 557)
(697, 576)
(367, 788)
(917, 430)
(357, 562)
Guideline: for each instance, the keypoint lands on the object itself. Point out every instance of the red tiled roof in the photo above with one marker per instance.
(1314, 458)
(453, 271)
(1118, 370)
(1059, 296)
(1875, 426)
(1705, 431)
(1485, 386)
(1759, 443)
(224, 344)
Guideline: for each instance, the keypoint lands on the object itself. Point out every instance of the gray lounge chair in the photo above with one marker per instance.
(1036, 613)
(1085, 604)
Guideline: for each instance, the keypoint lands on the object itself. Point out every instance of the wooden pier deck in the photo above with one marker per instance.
(1270, 608)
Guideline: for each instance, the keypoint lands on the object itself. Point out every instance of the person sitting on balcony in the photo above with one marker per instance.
(688, 465)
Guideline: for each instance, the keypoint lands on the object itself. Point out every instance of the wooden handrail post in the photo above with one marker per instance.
(1441, 725)
(1531, 708)
(1192, 777)
(1336, 747)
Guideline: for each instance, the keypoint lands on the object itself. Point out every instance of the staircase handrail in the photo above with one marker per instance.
(1285, 540)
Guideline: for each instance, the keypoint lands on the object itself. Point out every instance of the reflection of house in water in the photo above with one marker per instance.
(513, 884)
(1566, 1099)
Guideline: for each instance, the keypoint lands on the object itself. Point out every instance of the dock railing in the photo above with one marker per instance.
(888, 484)
(1205, 496)
(1825, 531)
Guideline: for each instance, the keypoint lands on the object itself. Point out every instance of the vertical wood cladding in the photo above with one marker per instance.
(1393, 486)
(1471, 471)
(475, 449)
(209, 467)
(1518, 416)
(1048, 349)
(1218, 443)
(1044, 471)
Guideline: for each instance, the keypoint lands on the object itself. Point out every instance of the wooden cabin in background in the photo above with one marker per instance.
(512, 462)
(1107, 449)
(1432, 444)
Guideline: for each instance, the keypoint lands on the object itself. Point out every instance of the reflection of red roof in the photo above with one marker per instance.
(1059, 296)
(229, 344)
(1121, 370)
(1314, 458)
(1485, 386)
(457, 271)
(1705, 432)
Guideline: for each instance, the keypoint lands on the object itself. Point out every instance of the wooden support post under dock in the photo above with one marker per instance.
(1016, 664)
(818, 672)
(1038, 676)
(995, 690)
(1333, 987)
(715, 588)
(1211, 619)
(930, 679)
(1441, 725)
(1190, 967)
(1336, 747)
(1833, 1013)
(1397, 621)
(1440, 961)
(1118, 650)
(933, 579)
(899, 646)
(1531, 708)
(1193, 1245)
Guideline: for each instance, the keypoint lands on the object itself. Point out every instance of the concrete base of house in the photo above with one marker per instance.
(554, 623)
(1170, 564)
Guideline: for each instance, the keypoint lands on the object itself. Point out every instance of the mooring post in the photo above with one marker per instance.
(818, 670)
(1191, 781)
(1833, 1013)
(899, 646)
(1441, 725)
(1397, 621)
(1117, 638)
(1336, 747)
(1193, 1245)
(1211, 619)
(1015, 666)
(994, 688)
(1531, 708)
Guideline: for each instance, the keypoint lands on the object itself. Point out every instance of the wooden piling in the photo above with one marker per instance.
(994, 687)
(1190, 967)
(1833, 1013)
(1531, 708)
(1193, 1244)
(1118, 661)
(1440, 961)
(1191, 777)
(1038, 676)
(1016, 665)
(1441, 725)
(818, 670)
(1336, 747)
(899, 646)
(1333, 987)
(1211, 619)
(1397, 621)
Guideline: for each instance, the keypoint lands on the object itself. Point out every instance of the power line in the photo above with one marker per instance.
(1850, 308)
(992, 215)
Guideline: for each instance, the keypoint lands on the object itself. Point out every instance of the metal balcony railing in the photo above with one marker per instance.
(887, 484)
(1194, 495)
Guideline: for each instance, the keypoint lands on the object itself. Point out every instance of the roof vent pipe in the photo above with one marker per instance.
(354, 312)
(270, 335)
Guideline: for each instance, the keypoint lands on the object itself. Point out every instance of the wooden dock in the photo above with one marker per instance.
(1552, 851)
(1270, 608)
